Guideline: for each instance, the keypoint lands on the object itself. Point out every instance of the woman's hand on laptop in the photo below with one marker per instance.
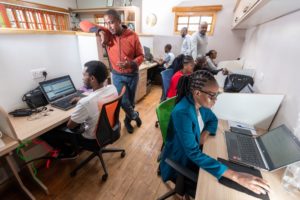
(253, 183)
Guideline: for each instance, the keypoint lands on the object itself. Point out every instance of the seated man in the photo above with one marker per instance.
(86, 112)
(162, 63)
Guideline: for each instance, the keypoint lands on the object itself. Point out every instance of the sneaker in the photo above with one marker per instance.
(128, 125)
(138, 120)
(67, 156)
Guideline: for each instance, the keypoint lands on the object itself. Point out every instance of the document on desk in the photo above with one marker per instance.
(234, 185)
(240, 127)
(1, 143)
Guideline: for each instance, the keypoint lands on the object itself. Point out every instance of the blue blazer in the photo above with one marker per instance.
(183, 138)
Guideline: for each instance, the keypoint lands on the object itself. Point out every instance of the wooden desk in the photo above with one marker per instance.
(209, 188)
(27, 130)
(141, 90)
(10, 145)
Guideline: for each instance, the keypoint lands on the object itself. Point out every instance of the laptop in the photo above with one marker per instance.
(270, 151)
(60, 91)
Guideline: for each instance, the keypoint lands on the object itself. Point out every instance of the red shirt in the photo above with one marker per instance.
(127, 46)
(173, 85)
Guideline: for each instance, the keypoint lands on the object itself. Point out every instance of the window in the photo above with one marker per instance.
(192, 17)
(31, 18)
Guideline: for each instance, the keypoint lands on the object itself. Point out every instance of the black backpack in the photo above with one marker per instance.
(236, 82)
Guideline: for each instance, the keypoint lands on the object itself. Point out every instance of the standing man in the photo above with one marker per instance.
(125, 55)
(199, 41)
(186, 48)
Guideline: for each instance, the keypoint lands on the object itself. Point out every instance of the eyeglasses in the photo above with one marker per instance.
(211, 95)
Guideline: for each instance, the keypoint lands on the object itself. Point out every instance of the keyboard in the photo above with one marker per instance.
(64, 103)
(243, 148)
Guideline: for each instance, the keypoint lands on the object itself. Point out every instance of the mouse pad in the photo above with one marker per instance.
(239, 168)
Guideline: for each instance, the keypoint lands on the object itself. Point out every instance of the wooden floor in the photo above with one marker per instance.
(133, 177)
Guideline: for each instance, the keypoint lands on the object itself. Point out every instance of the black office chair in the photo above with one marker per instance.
(186, 181)
(107, 132)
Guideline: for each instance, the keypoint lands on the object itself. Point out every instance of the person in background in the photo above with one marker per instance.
(210, 58)
(125, 54)
(199, 41)
(186, 47)
(163, 64)
(85, 114)
(186, 68)
(191, 123)
(202, 64)
(168, 57)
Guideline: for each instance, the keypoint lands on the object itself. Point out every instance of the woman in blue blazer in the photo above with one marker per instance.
(190, 124)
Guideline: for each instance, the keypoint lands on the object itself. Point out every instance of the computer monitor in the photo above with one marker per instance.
(148, 55)
(56, 88)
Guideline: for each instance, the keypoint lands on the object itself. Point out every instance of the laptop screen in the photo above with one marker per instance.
(282, 146)
(57, 88)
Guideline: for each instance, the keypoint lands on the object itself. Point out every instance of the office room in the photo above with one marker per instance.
(149, 99)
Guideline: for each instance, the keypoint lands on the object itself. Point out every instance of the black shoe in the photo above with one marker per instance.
(128, 125)
(138, 120)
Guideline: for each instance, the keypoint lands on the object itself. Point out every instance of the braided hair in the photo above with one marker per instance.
(197, 80)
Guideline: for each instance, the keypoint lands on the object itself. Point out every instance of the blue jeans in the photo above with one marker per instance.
(130, 81)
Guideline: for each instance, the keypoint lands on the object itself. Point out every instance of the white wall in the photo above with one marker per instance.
(58, 3)
(228, 43)
(21, 53)
(273, 49)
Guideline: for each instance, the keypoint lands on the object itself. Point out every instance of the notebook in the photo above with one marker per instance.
(270, 151)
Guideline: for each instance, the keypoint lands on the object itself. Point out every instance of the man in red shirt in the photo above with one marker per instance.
(125, 54)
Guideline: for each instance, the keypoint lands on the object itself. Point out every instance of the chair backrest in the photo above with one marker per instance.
(166, 76)
(108, 128)
(5, 124)
(163, 112)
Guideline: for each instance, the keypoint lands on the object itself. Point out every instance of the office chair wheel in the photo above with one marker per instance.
(72, 174)
(123, 154)
(104, 177)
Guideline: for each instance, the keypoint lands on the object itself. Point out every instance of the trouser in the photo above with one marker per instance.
(62, 138)
(128, 100)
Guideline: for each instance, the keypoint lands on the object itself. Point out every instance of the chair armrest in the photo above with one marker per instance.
(183, 170)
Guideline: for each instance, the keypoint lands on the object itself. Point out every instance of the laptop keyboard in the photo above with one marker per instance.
(65, 102)
(244, 149)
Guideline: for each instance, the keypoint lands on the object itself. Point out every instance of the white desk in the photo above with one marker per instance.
(208, 186)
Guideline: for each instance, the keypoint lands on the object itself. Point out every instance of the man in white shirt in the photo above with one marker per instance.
(86, 112)
(186, 48)
(199, 41)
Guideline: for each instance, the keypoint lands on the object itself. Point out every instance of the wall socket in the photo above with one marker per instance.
(38, 73)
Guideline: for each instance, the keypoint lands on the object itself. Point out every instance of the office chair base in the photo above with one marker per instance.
(167, 195)
(156, 124)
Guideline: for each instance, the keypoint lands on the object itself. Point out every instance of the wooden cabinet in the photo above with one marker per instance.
(142, 85)
(249, 13)
(130, 16)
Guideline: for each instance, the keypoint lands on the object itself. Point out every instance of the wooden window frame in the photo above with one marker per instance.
(196, 11)
(59, 17)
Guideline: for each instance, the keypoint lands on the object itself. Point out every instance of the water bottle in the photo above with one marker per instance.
(291, 177)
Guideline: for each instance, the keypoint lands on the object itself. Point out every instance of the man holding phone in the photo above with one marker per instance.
(125, 55)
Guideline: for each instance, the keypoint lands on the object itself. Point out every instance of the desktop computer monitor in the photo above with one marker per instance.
(148, 55)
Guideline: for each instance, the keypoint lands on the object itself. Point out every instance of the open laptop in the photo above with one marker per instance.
(60, 91)
(273, 150)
